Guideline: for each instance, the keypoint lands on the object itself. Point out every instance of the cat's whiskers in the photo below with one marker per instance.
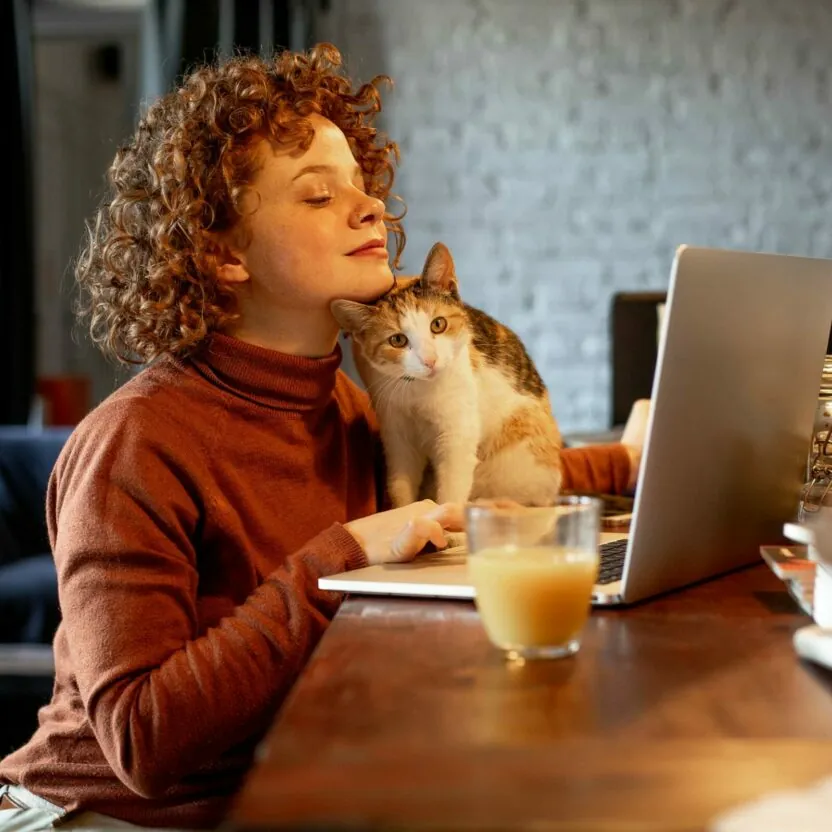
(378, 388)
(401, 387)
(386, 390)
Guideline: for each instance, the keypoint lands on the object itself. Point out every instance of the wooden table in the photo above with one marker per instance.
(673, 710)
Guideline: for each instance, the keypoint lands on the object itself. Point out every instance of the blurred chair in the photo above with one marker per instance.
(66, 399)
(29, 611)
(634, 339)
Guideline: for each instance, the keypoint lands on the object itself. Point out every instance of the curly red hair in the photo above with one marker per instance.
(147, 271)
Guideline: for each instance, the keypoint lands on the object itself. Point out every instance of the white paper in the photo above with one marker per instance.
(797, 810)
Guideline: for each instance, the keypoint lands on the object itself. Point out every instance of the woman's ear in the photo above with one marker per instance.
(228, 264)
(231, 269)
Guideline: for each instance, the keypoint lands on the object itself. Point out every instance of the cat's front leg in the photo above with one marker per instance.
(455, 462)
(405, 469)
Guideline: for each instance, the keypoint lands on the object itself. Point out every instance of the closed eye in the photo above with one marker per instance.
(318, 200)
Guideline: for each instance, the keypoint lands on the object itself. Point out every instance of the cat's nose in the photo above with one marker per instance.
(430, 363)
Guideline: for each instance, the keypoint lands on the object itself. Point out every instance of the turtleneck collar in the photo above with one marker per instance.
(272, 379)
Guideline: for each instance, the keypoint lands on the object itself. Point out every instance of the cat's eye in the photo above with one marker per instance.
(399, 340)
(438, 325)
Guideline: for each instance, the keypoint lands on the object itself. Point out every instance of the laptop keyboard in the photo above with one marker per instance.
(612, 561)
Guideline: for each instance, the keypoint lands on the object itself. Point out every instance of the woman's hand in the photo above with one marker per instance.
(398, 535)
(635, 432)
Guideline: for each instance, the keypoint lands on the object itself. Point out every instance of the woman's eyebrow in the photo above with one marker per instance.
(324, 169)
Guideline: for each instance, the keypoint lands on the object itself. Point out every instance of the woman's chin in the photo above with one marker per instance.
(375, 286)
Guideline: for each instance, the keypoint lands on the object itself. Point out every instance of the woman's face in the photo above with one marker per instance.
(308, 218)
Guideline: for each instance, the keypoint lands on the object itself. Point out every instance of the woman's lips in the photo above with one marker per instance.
(375, 246)
(375, 251)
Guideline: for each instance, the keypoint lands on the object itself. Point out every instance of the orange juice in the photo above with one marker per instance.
(535, 596)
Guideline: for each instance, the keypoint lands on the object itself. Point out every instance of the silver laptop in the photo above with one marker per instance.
(737, 379)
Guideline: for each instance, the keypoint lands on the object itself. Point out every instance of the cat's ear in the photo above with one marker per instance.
(351, 316)
(439, 273)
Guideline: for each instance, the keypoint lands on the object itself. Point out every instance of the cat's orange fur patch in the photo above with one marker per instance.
(534, 426)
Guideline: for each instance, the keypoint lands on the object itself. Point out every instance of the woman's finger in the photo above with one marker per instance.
(449, 516)
(424, 530)
(415, 536)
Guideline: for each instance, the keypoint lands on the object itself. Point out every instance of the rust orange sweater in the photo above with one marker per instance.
(191, 515)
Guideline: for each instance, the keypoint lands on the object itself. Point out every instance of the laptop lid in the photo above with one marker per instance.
(736, 384)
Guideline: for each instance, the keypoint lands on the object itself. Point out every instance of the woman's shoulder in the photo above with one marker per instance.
(154, 409)
(157, 389)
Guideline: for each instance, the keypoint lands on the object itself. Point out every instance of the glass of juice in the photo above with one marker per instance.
(533, 570)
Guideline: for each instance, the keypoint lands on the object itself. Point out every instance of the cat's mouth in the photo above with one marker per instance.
(427, 377)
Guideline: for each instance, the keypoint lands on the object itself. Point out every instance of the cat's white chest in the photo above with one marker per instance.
(449, 405)
(473, 403)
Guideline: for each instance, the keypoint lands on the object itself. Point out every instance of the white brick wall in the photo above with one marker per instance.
(564, 148)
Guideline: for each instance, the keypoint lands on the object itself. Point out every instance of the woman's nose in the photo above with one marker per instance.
(369, 211)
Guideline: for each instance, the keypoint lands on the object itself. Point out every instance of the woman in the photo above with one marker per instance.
(192, 513)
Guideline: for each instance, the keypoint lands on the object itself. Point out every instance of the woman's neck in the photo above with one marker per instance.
(311, 334)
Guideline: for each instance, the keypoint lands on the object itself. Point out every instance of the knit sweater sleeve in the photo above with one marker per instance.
(596, 469)
(164, 698)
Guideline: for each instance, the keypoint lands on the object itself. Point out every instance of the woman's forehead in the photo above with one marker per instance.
(281, 164)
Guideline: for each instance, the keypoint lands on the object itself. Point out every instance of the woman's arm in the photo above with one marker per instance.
(610, 468)
(597, 469)
(167, 694)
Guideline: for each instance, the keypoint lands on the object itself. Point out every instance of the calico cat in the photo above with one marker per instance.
(455, 392)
